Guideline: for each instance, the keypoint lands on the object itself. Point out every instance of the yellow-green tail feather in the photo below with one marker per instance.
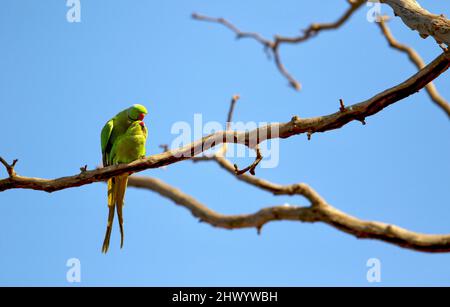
(116, 194)
(111, 204)
(122, 182)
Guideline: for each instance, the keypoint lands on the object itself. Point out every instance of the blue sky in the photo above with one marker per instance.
(60, 82)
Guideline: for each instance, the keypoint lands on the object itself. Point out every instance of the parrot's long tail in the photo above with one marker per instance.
(116, 195)
(111, 204)
(121, 186)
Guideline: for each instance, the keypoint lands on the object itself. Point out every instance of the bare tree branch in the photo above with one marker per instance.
(239, 34)
(319, 211)
(315, 28)
(421, 20)
(411, 13)
(269, 46)
(273, 45)
(251, 138)
(416, 60)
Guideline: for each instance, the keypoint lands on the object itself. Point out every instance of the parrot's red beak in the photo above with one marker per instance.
(141, 116)
(142, 124)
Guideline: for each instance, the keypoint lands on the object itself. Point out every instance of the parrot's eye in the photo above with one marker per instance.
(141, 116)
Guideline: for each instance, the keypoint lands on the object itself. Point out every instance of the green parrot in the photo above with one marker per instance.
(122, 147)
(117, 126)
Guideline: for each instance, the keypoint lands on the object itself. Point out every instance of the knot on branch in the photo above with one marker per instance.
(295, 189)
(9, 167)
(259, 229)
(83, 169)
(164, 147)
(294, 123)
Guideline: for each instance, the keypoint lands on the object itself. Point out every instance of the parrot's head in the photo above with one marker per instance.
(137, 112)
(137, 128)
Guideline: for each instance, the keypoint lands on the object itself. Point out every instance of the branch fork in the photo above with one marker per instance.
(9, 167)
(251, 168)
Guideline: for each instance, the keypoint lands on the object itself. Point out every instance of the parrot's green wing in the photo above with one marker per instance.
(105, 141)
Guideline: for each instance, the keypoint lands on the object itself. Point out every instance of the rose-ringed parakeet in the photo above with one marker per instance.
(117, 126)
(123, 141)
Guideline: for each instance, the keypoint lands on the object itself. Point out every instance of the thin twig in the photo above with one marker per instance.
(234, 99)
(273, 45)
(251, 168)
(342, 105)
